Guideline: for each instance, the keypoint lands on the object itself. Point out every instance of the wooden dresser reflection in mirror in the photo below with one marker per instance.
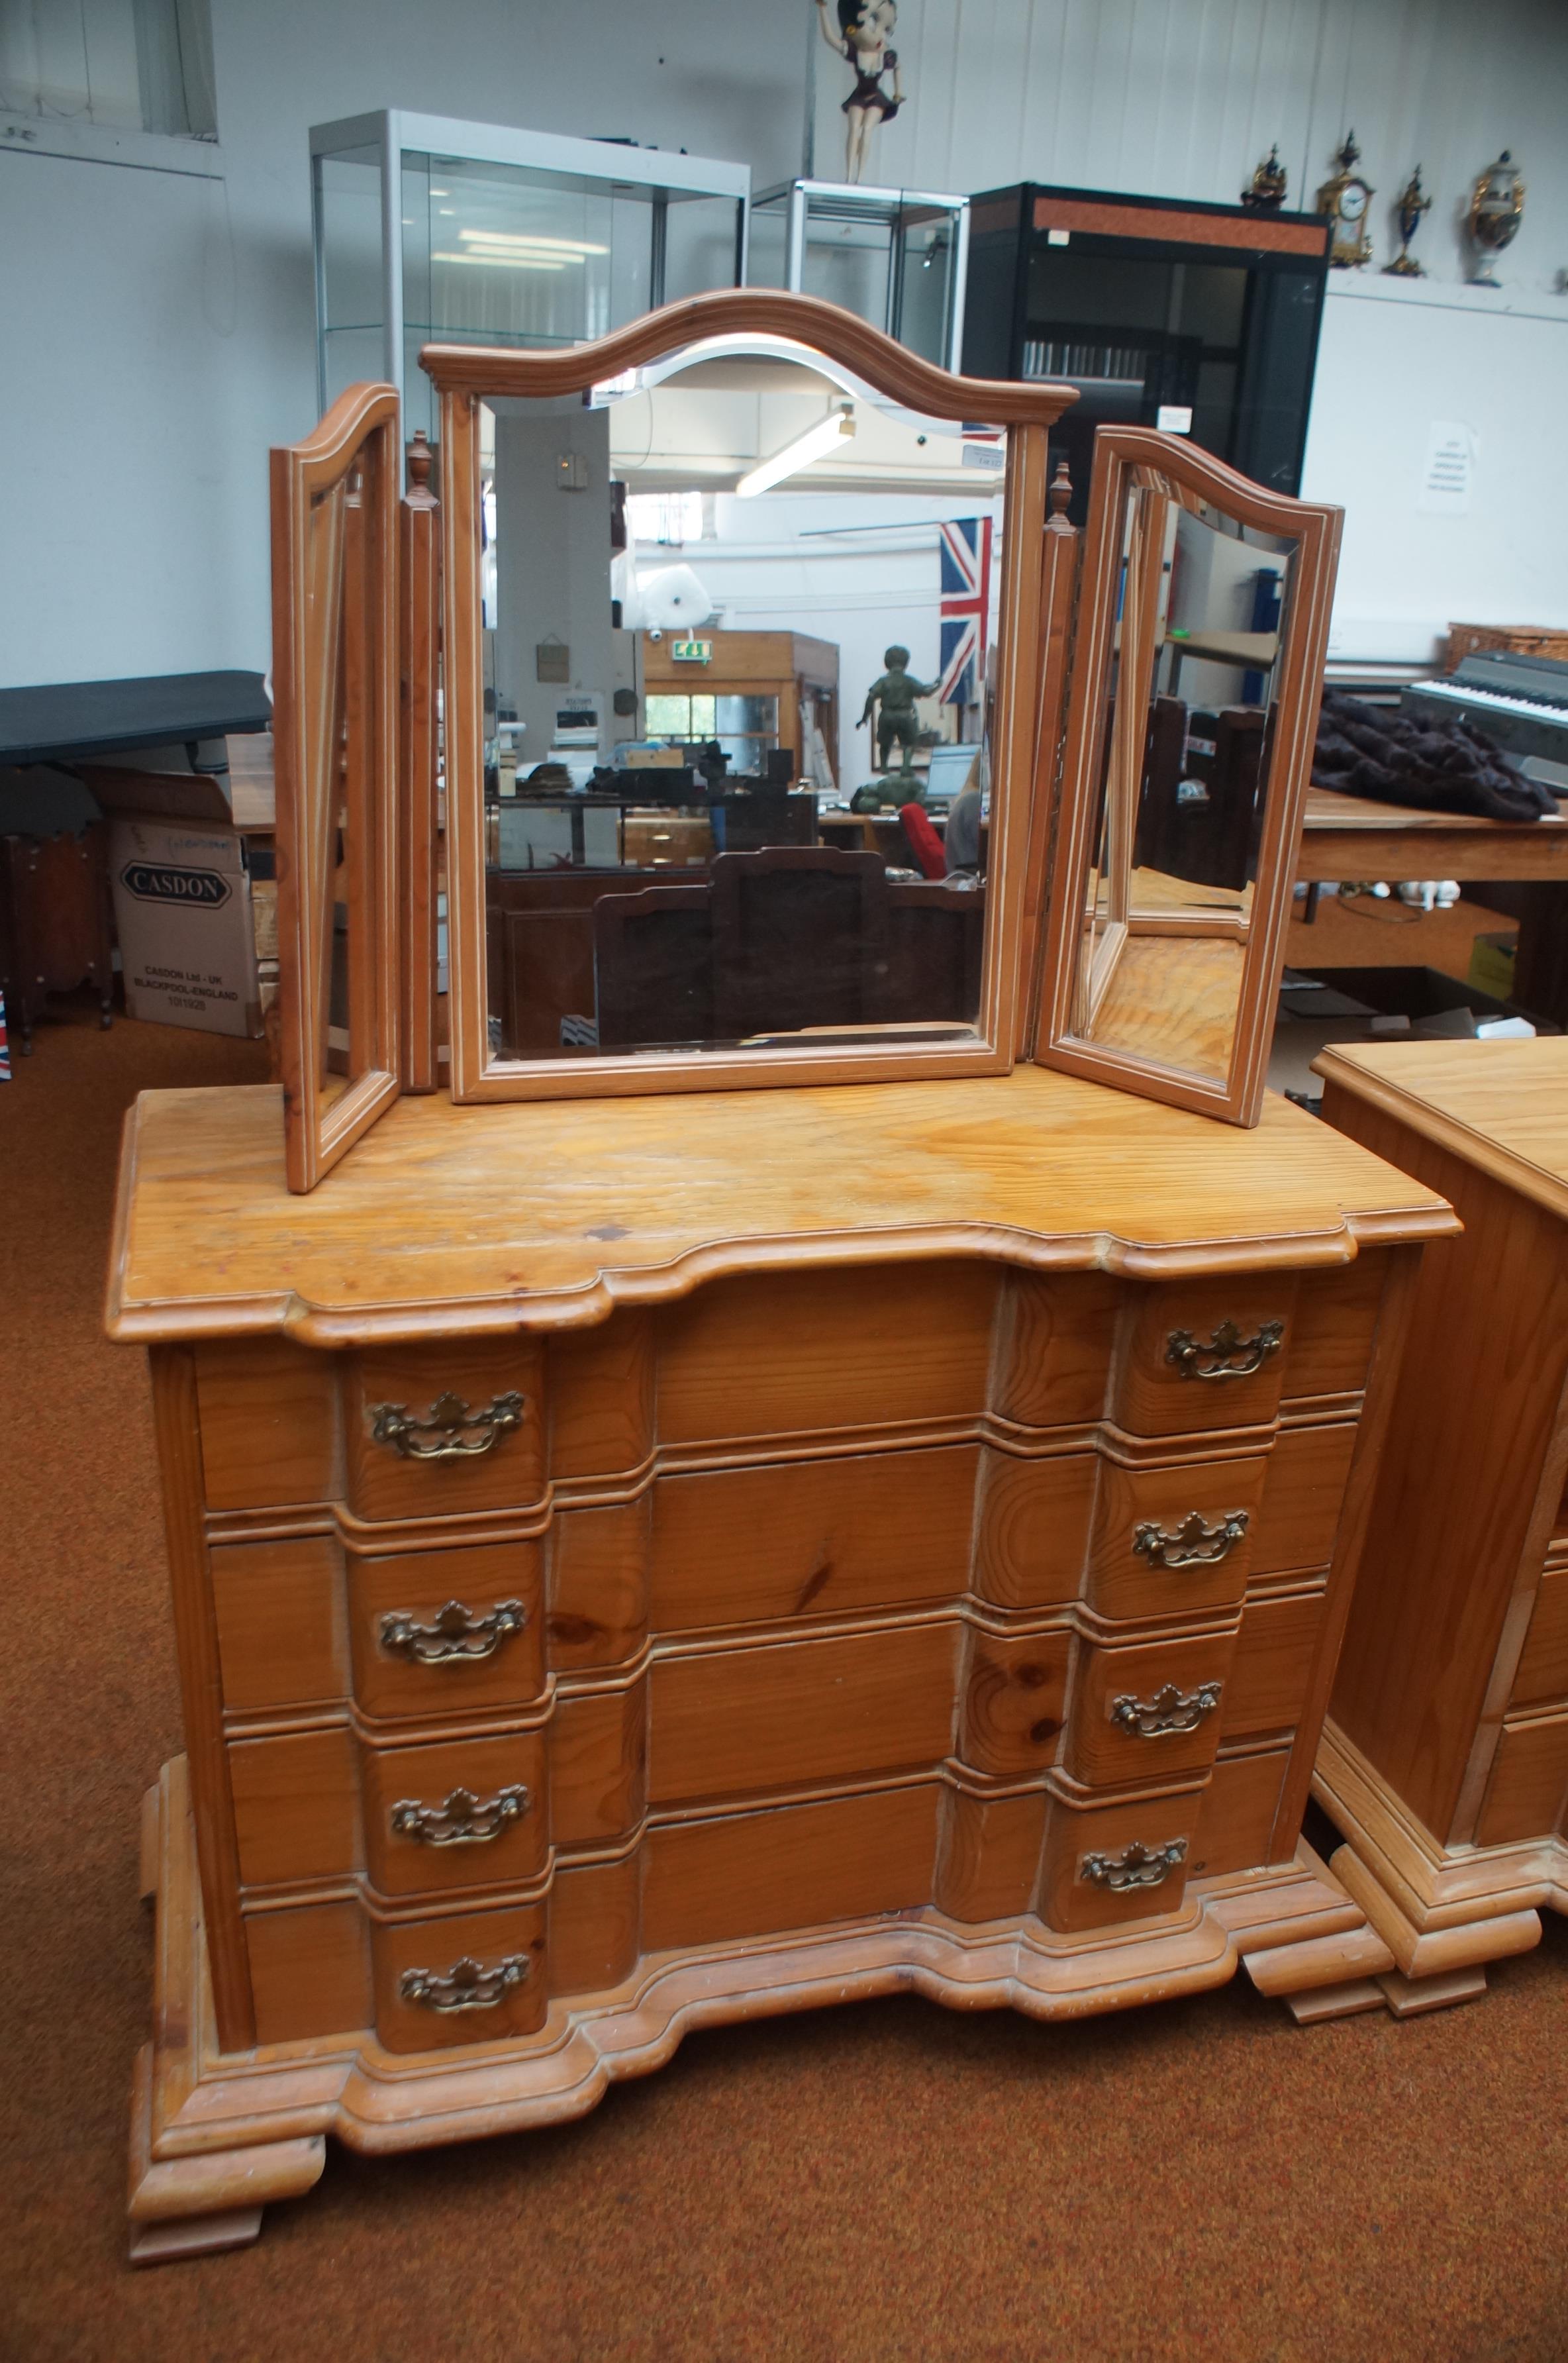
(804, 1501)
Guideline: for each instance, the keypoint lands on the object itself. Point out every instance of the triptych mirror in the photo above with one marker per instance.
(676, 853)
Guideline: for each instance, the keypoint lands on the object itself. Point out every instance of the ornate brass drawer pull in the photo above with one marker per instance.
(449, 1430)
(1193, 1544)
(1228, 1354)
(465, 1986)
(1136, 1866)
(462, 1819)
(456, 1632)
(1170, 1710)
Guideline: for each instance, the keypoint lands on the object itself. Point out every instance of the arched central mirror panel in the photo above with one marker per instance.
(743, 661)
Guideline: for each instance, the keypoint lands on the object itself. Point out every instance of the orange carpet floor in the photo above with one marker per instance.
(1200, 2178)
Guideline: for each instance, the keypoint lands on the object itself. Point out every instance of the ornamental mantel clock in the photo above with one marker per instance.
(1347, 200)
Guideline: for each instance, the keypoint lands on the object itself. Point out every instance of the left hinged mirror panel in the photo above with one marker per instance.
(336, 671)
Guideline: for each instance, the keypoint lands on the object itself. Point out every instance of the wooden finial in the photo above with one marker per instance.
(421, 463)
(1060, 495)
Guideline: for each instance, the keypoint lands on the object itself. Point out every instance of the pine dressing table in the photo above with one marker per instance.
(671, 1535)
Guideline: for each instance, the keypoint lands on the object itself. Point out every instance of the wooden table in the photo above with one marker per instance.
(1350, 837)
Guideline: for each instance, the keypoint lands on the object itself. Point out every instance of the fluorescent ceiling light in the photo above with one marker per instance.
(835, 428)
(528, 238)
(504, 261)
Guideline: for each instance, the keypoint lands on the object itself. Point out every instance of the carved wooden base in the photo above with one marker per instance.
(216, 2137)
(1442, 1911)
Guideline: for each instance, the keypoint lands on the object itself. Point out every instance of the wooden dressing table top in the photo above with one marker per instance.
(1501, 1106)
(547, 1215)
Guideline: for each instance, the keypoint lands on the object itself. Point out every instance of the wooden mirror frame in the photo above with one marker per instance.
(1127, 458)
(316, 724)
(466, 375)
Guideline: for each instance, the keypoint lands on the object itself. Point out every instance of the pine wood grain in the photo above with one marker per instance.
(547, 1215)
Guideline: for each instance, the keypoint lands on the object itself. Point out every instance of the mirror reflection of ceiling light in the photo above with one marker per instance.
(828, 432)
(533, 240)
(502, 261)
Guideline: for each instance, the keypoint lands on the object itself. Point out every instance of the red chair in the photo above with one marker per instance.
(924, 843)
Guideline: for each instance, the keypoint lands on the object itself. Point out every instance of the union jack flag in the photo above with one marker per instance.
(965, 548)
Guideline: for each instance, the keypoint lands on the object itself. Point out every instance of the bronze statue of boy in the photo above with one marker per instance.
(895, 694)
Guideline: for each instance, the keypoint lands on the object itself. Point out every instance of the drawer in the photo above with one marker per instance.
(1104, 1864)
(730, 1721)
(460, 1976)
(772, 1355)
(598, 1584)
(1529, 1775)
(747, 1546)
(1240, 1806)
(1304, 1490)
(1334, 1326)
(1174, 1539)
(296, 1806)
(446, 1632)
(1273, 1664)
(310, 1970)
(1148, 1713)
(268, 1419)
(1203, 1354)
(1033, 1531)
(1015, 1688)
(710, 1880)
(281, 1628)
(454, 1814)
(1543, 1676)
(436, 1431)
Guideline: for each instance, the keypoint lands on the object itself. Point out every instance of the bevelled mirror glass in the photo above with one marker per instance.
(1194, 701)
(743, 649)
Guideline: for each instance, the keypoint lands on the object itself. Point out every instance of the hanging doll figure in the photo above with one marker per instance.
(865, 27)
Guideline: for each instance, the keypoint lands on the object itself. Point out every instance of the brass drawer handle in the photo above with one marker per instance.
(465, 1986)
(1193, 1544)
(1168, 1711)
(456, 1633)
(1137, 1865)
(1228, 1354)
(462, 1819)
(449, 1430)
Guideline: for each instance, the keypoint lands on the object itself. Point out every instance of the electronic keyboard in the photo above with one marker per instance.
(1520, 702)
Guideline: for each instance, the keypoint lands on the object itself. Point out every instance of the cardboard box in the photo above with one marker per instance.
(187, 933)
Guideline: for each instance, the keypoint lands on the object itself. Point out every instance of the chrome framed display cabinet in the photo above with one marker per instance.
(472, 233)
(897, 258)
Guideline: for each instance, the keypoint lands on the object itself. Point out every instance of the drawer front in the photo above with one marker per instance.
(269, 1418)
(1034, 1527)
(739, 1546)
(1304, 1490)
(281, 1629)
(709, 1881)
(1334, 1326)
(310, 1970)
(731, 1722)
(1104, 1864)
(1171, 1540)
(1241, 1805)
(411, 1658)
(1147, 1712)
(1015, 1689)
(460, 1976)
(455, 1813)
(1204, 1354)
(770, 1354)
(1529, 1776)
(1543, 1676)
(296, 1806)
(435, 1431)
(1273, 1664)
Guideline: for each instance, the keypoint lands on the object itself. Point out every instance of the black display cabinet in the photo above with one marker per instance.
(1202, 319)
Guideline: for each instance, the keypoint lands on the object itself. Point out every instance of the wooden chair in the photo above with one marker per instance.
(935, 940)
(799, 939)
(653, 966)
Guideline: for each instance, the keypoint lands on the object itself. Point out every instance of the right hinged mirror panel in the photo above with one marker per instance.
(1203, 621)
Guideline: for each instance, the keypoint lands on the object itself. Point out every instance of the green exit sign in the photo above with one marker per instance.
(692, 651)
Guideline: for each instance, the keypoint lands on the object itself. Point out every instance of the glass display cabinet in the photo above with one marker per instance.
(897, 258)
(1199, 320)
(472, 233)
